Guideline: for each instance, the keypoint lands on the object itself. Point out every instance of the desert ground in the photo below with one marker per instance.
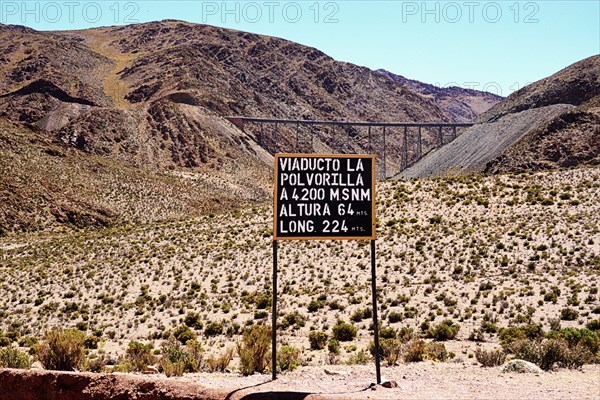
(483, 252)
(425, 380)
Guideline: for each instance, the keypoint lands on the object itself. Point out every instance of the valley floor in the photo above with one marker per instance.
(484, 252)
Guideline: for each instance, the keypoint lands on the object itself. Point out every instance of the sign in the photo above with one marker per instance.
(324, 197)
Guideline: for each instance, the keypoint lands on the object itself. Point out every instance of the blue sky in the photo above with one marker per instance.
(498, 46)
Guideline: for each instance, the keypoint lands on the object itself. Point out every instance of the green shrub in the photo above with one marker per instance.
(262, 300)
(360, 358)
(394, 317)
(62, 350)
(4, 341)
(27, 341)
(294, 319)
(195, 359)
(514, 333)
(333, 346)
(446, 330)
(405, 334)
(593, 325)
(288, 358)
(390, 350)
(436, 352)
(344, 332)
(213, 329)
(193, 320)
(568, 314)
(359, 315)
(179, 359)
(315, 305)
(318, 340)
(387, 332)
(183, 333)
(585, 337)
(490, 358)
(91, 342)
(254, 349)
(139, 356)
(12, 357)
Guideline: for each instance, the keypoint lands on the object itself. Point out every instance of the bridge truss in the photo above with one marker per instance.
(397, 145)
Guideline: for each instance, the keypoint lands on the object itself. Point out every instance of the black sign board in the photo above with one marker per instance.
(324, 197)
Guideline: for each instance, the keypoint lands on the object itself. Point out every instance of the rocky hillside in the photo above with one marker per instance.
(462, 105)
(151, 98)
(552, 123)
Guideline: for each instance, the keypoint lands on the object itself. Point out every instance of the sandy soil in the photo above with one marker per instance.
(425, 380)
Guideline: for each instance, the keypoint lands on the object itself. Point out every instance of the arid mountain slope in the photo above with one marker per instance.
(42, 183)
(552, 123)
(462, 105)
(148, 87)
(150, 98)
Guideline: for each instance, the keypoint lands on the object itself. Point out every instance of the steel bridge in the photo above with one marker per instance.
(397, 145)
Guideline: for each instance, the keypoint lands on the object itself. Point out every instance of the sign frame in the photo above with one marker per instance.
(276, 183)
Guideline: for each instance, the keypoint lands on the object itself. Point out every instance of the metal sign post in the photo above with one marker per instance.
(375, 319)
(274, 315)
(324, 197)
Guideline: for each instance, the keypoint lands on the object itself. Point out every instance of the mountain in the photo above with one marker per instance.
(552, 123)
(95, 122)
(462, 105)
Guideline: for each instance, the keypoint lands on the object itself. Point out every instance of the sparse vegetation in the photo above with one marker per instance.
(205, 279)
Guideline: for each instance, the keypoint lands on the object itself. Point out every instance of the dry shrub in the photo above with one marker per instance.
(318, 340)
(220, 363)
(436, 352)
(414, 351)
(390, 350)
(97, 364)
(418, 350)
(62, 350)
(139, 356)
(577, 356)
(171, 368)
(288, 358)
(12, 357)
(550, 352)
(178, 359)
(254, 350)
(490, 358)
(360, 358)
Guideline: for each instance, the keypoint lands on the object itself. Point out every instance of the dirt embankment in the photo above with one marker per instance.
(418, 381)
(52, 385)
